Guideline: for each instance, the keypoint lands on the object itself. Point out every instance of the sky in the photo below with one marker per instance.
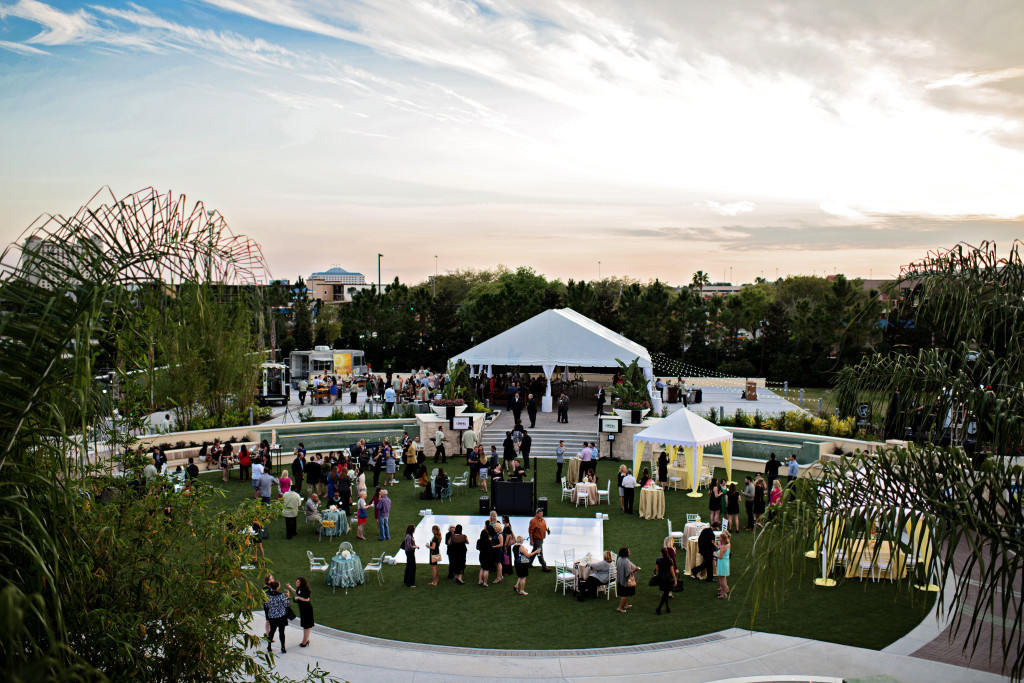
(634, 138)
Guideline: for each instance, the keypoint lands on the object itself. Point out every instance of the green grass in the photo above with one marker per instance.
(864, 614)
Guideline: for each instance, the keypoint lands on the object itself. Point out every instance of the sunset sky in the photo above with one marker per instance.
(658, 137)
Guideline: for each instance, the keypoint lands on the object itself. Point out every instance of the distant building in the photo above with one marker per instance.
(336, 285)
(49, 262)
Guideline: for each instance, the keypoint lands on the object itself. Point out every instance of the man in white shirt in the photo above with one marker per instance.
(628, 484)
(257, 472)
(439, 446)
(389, 400)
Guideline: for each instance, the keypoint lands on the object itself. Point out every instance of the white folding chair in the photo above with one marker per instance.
(567, 493)
(676, 536)
(584, 495)
(692, 517)
(316, 564)
(376, 565)
(675, 481)
(605, 495)
(564, 575)
(345, 545)
(705, 478)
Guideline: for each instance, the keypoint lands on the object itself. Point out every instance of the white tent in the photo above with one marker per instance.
(557, 337)
(689, 431)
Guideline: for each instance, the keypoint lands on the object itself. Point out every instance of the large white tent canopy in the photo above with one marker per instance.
(690, 432)
(553, 338)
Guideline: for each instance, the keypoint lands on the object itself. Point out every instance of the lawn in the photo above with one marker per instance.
(865, 614)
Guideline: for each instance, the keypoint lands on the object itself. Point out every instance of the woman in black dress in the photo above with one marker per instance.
(759, 492)
(301, 594)
(343, 486)
(663, 469)
(732, 508)
(508, 540)
(409, 546)
(715, 504)
(666, 579)
(483, 544)
(457, 548)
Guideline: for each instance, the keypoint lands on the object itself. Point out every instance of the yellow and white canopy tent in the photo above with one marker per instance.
(689, 433)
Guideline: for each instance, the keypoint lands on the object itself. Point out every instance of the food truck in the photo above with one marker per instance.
(341, 362)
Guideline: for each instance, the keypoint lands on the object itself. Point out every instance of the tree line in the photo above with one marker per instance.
(799, 329)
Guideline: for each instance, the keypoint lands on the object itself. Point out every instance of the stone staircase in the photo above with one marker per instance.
(544, 441)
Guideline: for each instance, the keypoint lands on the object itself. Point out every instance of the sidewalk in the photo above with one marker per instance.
(728, 654)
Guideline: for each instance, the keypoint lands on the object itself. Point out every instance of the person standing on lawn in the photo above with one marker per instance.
(538, 531)
(771, 470)
(748, 502)
(792, 468)
(409, 546)
(383, 511)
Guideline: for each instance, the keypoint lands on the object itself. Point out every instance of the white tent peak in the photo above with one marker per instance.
(683, 428)
(557, 336)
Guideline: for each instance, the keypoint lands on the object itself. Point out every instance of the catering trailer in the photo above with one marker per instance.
(342, 362)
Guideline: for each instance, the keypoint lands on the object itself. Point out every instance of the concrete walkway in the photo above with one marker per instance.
(729, 654)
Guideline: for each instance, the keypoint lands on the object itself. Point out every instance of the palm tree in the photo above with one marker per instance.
(67, 289)
(958, 484)
(700, 281)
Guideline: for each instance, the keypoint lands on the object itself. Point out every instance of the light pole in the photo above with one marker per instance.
(599, 271)
(435, 276)
(378, 273)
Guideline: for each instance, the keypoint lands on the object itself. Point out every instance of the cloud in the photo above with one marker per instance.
(976, 78)
(730, 208)
(21, 48)
(58, 28)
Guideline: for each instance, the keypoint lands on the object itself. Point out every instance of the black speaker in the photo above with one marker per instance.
(542, 503)
(485, 505)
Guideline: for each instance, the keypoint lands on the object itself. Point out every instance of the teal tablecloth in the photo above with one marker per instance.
(340, 520)
(345, 573)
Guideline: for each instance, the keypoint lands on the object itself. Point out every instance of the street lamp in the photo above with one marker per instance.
(435, 276)
(379, 256)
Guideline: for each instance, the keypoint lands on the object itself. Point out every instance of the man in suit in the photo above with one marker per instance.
(531, 410)
(298, 469)
(524, 449)
(313, 472)
(377, 463)
(706, 548)
(517, 407)
(563, 408)
(771, 470)
(600, 401)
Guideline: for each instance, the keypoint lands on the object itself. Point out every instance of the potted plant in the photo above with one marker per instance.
(631, 395)
(451, 402)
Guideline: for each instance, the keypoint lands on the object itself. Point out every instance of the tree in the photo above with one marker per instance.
(92, 565)
(974, 300)
(700, 281)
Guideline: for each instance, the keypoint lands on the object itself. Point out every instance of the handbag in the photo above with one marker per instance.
(655, 581)
(631, 581)
(289, 613)
(435, 558)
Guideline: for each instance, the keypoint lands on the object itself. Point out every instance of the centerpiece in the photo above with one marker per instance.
(450, 402)
(631, 395)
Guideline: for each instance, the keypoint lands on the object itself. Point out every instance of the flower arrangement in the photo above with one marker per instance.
(346, 554)
(440, 401)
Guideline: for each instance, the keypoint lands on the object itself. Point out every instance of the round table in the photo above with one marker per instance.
(340, 520)
(345, 573)
(693, 529)
(652, 502)
(572, 475)
(694, 558)
(591, 490)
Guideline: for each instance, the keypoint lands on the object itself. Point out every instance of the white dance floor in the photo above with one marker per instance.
(580, 534)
